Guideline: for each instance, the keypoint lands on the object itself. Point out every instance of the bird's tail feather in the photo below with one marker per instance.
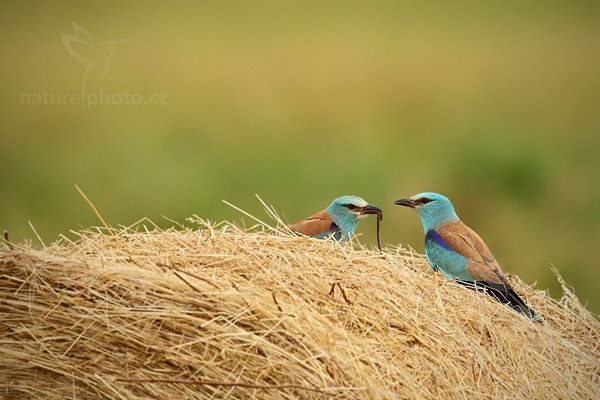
(506, 297)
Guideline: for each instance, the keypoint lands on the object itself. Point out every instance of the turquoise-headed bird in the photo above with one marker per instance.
(459, 252)
(339, 220)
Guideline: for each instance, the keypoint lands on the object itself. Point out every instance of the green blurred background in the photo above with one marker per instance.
(495, 105)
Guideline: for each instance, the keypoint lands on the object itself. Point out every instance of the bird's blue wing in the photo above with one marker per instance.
(441, 256)
(333, 231)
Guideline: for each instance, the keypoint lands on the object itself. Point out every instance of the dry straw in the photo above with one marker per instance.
(225, 312)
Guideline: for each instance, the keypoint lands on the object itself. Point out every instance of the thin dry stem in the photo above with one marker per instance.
(106, 226)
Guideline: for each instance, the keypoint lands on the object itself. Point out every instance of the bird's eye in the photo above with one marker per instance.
(351, 207)
(423, 200)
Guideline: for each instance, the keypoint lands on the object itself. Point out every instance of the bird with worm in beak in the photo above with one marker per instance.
(339, 220)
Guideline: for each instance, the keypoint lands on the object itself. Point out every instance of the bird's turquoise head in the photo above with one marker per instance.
(346, 212)
(433, 209)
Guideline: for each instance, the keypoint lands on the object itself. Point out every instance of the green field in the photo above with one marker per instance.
(496, 106)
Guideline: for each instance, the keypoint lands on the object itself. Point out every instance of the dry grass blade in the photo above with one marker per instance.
(273, 214)
(93, 207)
(36, 234)
(6, 240)
(264, 224)
(222, 312)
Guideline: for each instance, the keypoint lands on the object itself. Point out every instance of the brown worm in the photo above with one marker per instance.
(379, 219)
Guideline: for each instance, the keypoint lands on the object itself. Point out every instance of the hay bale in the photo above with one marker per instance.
(223, 312)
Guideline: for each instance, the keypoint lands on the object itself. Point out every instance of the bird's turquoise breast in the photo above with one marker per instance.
(441, 256)
(345, 228)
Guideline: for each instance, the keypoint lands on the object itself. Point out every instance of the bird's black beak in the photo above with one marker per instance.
(371, 209)
(406, 203)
